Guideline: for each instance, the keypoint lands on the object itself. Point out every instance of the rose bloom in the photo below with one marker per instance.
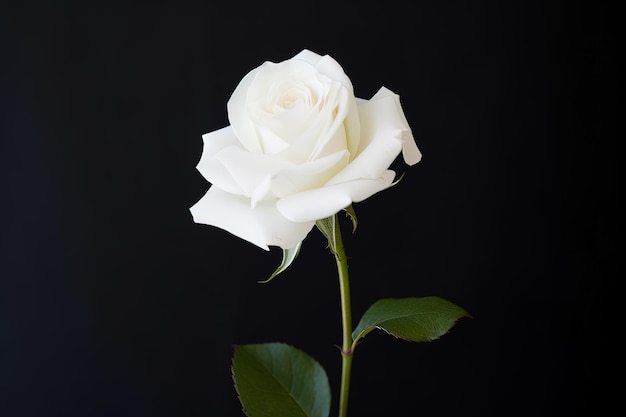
(300, 147)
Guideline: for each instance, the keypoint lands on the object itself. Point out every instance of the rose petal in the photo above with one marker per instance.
(327, 65)
(263, 226)
(310, 175)
(213, 142)
(323, 202)
(383, 128)
(410, 152)
(282, 101)
(300, 177)
(333, 112)
(235, 165)
(374, 160)
(209, 167)
(238, 117)
(330, 67)
(308, 56)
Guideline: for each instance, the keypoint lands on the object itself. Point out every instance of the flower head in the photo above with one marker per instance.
(300, 147)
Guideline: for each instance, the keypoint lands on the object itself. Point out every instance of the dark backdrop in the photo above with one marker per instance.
(114, 303)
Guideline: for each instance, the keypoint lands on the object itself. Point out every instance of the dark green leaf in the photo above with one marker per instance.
(414, 319)
(278, 380)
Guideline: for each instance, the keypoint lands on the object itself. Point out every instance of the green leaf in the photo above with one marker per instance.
(278, 380)
(288, 257)
(415, 319)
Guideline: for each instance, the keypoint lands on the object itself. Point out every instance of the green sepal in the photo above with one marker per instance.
(350, 213)
(398, 180)
(279, 380)
(288, 257)
(416, 319)
(328, 225)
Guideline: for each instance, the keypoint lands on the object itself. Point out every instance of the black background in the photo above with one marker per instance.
(114, 303)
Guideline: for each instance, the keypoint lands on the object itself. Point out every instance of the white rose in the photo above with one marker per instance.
(300, 147)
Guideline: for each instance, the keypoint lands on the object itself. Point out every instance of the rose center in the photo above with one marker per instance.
(292, 96)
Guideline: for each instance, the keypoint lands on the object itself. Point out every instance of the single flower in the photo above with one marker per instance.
(300, 147)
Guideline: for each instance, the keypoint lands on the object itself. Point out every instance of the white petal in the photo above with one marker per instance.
(235, 165)
(263, 226)
(383, 136)
(327, 65)
(332, 136)
(308, 56)
(210, 167)
(323, 202)
(374, 160)
(213, 142)
(298, 178)
(238, 113)
(410, 152)
(307, 176)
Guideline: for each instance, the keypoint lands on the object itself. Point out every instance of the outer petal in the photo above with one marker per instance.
(238, 113)
(210, 167)
(410, 152)
(235, 165)
(373, 161)
(307, 176)
(323, 202)
(262, 226)
(213, 142)
(383, 132)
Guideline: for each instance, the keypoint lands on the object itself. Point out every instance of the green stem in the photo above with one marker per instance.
(346, 319)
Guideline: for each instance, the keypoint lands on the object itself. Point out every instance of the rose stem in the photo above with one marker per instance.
(346, 317)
